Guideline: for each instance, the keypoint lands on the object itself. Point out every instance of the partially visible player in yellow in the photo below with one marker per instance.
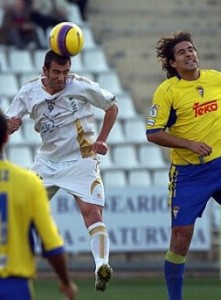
(186, 116)
(24, 209)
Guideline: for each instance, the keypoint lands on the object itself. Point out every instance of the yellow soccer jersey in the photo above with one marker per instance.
(190, 110)
(23, 206)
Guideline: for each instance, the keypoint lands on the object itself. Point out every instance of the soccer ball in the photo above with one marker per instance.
(66, 39)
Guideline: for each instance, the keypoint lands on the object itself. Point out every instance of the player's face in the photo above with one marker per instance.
(185, 59)
(57, 76)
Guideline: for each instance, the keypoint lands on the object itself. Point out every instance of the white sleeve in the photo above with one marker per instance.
(99, 97)
(17, 107)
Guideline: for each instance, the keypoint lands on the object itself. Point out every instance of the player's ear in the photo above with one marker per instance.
(172, 63)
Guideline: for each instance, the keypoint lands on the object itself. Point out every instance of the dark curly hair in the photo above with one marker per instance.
(165, 50)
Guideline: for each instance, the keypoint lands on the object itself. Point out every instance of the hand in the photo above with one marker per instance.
(13, 124)
(200, 148)
(69, 290)
(100, 147)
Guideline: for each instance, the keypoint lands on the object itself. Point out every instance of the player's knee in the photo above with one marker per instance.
(92, 214)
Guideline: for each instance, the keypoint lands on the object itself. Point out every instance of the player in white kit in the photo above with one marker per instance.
(60, 104)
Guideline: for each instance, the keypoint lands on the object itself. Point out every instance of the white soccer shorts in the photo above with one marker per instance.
(80, 178)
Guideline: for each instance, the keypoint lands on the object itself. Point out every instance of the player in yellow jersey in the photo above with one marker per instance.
(24, 209)
(185, 116)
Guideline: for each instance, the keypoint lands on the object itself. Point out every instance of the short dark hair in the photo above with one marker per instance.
(165, 50)
(52, 56)
(3, 129)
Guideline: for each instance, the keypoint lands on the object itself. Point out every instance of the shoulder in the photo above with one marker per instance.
(89, 90)
(210, 73)
(167, 84)
(82, 83)
(23, 175)
(80, 80)
(30, 85)
(31, 81)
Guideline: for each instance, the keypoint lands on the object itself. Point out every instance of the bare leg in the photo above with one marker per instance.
(181, 238)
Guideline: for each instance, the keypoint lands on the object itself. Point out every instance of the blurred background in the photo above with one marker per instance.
(119, 53)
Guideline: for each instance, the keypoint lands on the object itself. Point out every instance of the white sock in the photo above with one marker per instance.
(100, 243)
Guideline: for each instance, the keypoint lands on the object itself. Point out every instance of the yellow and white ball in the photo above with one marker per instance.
(66, 39)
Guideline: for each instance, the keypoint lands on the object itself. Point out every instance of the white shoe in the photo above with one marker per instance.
(103, 276)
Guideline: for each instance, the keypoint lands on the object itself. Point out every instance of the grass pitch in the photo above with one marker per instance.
(131, 289)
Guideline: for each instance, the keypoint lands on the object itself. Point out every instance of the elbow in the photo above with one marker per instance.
(113, 107)
(151, 138)
(113, 110)
(116, 109)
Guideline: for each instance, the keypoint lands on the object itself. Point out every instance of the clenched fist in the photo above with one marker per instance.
(13, 124)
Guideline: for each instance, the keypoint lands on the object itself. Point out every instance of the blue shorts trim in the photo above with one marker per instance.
(15, 288)
(191, 187)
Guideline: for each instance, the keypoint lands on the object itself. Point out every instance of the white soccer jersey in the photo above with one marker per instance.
(64, 120)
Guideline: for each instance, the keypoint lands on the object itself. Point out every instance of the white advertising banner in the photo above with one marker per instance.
(137, 219)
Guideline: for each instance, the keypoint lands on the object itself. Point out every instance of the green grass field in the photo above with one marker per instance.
(132, 289)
